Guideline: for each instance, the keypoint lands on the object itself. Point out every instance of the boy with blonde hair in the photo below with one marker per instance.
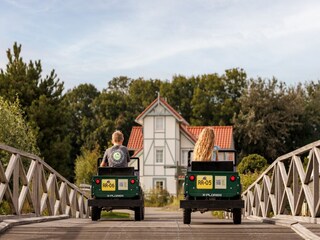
(117, 155)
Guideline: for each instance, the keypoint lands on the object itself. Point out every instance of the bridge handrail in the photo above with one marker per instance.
(54, 195)
(286, 187)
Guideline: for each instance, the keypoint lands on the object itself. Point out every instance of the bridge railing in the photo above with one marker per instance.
(289, 186)
(28, 185)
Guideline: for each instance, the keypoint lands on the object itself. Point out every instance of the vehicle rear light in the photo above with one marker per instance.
(233, 178)
(97, 181)
(132, 181)
(192, 178)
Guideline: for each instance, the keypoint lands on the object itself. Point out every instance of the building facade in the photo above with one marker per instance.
(162, 143)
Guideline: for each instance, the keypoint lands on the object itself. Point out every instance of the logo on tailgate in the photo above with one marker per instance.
(108, 185)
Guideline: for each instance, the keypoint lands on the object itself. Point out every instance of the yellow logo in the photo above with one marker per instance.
(108, 185)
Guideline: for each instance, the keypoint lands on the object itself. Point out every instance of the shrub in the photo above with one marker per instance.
(252, 163)
(86, 165)
(5, 208)
(157, 198)
(248, 179)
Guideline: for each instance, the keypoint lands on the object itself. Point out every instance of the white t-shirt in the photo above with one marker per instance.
(215, 153)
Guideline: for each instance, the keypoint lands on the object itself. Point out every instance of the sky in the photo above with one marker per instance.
(97, 40)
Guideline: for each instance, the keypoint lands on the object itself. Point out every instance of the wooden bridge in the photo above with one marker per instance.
(286, 194)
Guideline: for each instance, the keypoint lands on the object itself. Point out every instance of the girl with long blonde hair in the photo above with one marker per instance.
(204, 147)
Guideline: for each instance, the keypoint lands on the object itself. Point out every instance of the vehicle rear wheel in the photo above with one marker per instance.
(186, 215)
(142, 213)
(237, 215)
(138, 214)
(95, 213)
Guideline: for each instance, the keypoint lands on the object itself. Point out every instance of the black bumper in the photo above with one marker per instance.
(116, 203)
(212, 204)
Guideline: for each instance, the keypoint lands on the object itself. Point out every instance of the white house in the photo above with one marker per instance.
(162, 143)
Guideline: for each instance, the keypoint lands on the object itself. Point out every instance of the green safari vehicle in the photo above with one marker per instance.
(212, 186)
(116, 188)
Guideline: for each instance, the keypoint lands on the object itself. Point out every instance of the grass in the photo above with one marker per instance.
(105, 214)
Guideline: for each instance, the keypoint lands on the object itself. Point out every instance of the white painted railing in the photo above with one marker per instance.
(29, 185)
(290, 186)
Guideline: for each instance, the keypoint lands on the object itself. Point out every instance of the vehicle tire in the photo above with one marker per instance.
(95, 213)
(187, 215)
(142, 213)
(137, 214)
(142, 207)
(236, 215)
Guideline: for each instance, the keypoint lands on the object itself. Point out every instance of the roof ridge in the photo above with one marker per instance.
(167, 105)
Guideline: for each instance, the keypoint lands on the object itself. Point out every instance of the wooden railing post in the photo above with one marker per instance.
(36, 187)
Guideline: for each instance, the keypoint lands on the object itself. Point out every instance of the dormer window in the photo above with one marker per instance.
(159, 124)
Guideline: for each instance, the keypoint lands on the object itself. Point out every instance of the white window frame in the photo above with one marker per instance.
(159, 124)
(156, 151)
(184, 157)
(156, 181)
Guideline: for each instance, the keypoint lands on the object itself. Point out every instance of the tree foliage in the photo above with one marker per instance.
(79, 104)
(179, 93)
(15, 130)
(41, 100)
(270, 113)
(250, 169)
(20, 79)
(215, 99)
(311, 119)
(252, 163)
(86, 165)
(248, 178)
(269, 118)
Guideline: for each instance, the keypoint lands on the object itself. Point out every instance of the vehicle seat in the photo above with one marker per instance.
(116, 171)
(212, 166)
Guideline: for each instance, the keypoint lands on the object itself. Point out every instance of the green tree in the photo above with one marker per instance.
(310, 130)
(109, 110)
(15, 131)
(141, 93)
(235, 83)
(86, 165)
(215, 99)
(179, 94)
(20, 79)
(270, 111)
(206, 101)
(119, 84)
(52, 119)
(41, 100)
(79, 103)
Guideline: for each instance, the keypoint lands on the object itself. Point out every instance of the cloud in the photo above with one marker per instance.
(83, 40)
(33, 6)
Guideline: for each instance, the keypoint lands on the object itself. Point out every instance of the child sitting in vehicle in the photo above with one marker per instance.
(117, 155)
(205, 150)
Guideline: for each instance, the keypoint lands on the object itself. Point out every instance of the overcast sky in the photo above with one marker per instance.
(94, 41)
